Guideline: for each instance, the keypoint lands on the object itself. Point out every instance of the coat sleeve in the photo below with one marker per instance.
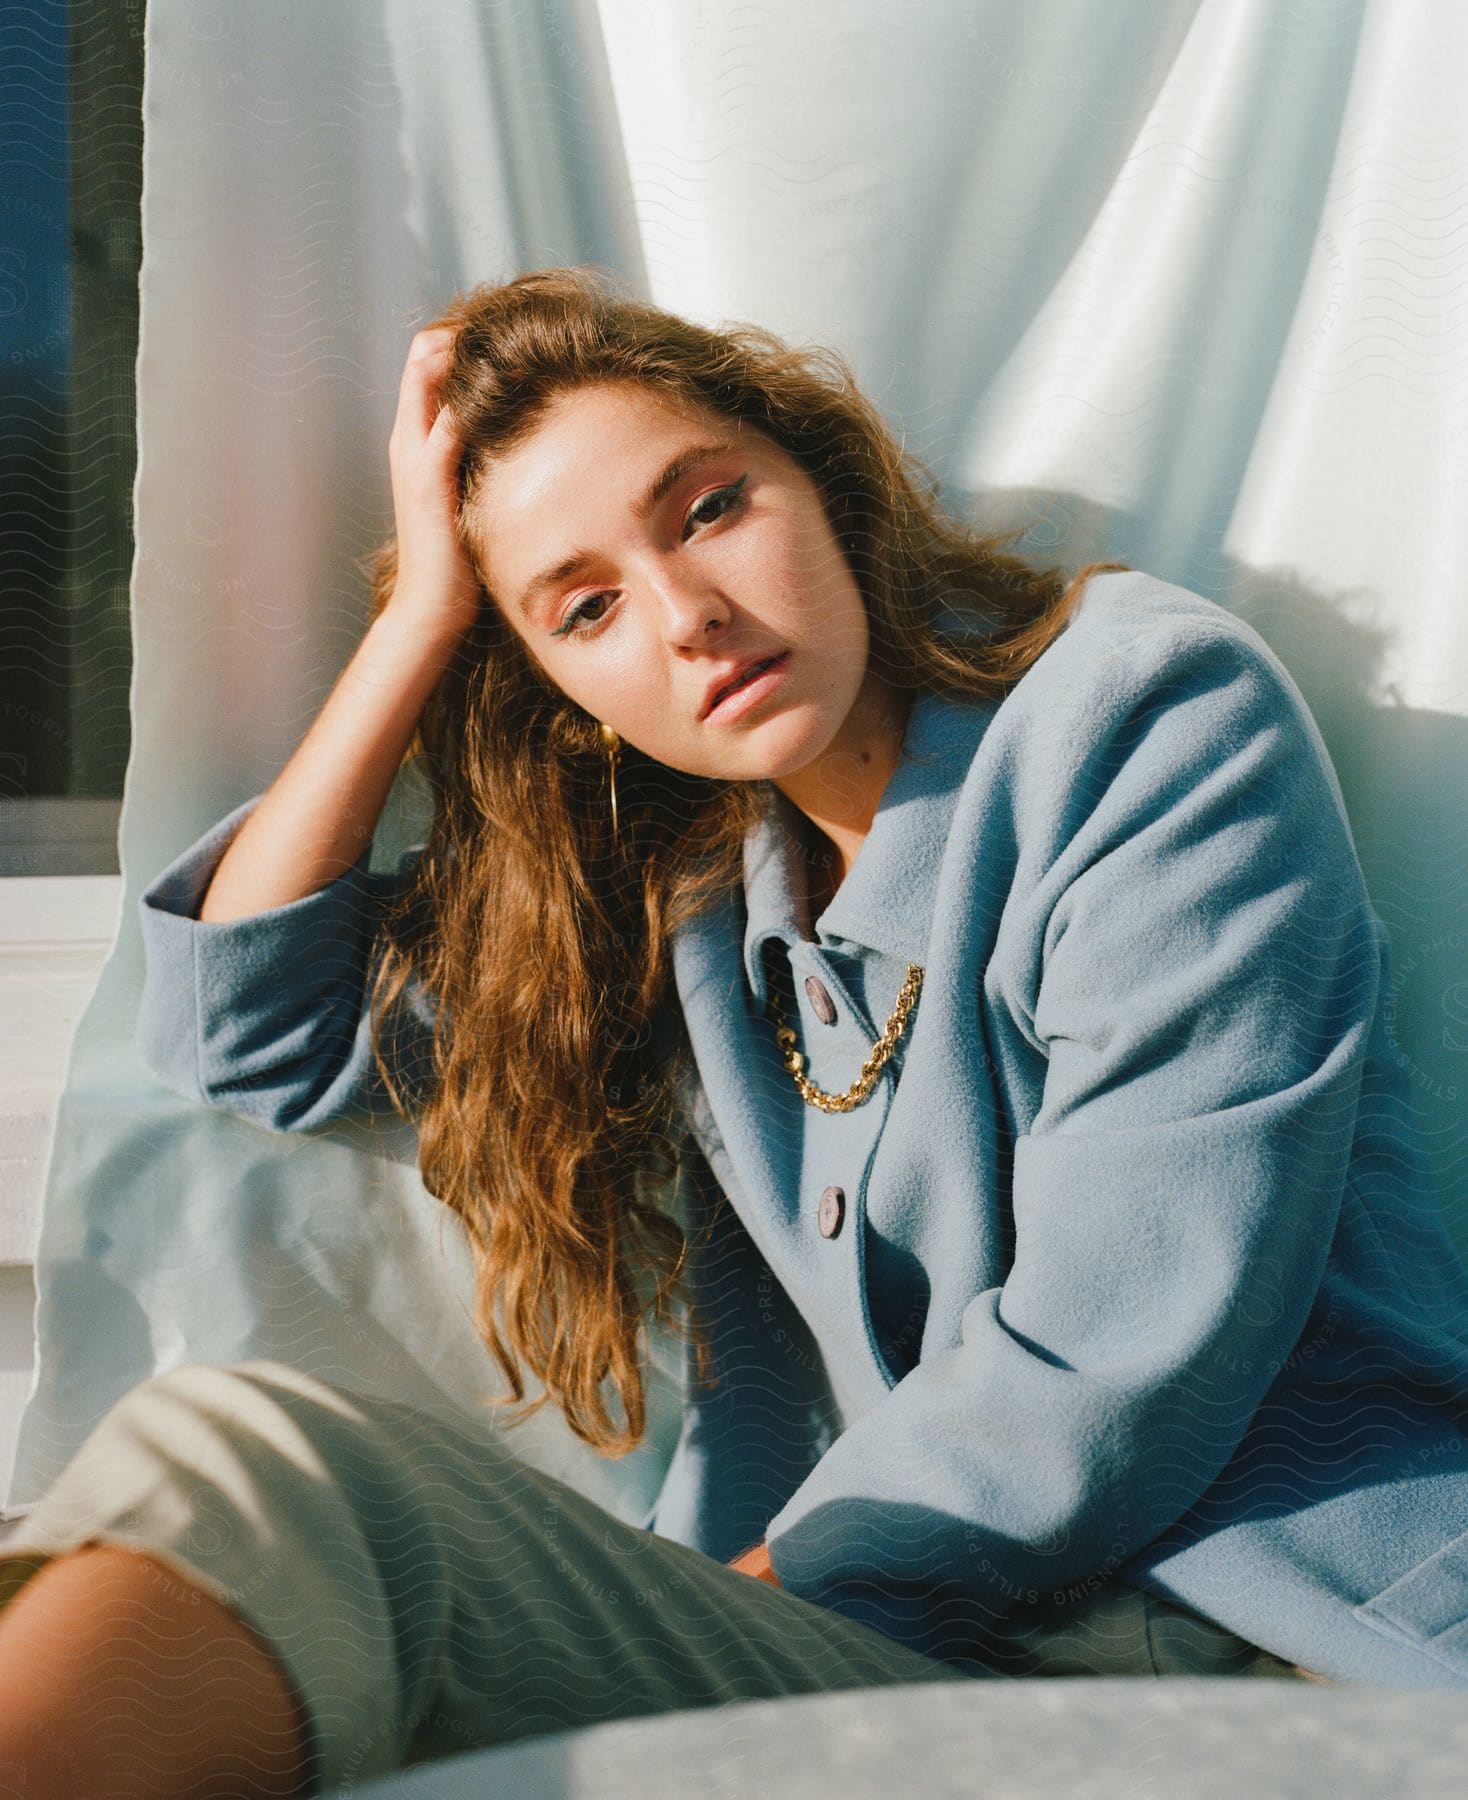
(266, 1016)
(1208, 968)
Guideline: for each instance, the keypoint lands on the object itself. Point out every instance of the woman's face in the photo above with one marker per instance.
(699, 545)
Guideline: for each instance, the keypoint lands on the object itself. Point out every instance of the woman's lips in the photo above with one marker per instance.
(739, 700)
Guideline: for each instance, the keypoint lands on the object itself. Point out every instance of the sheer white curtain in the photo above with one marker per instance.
(1175, 283)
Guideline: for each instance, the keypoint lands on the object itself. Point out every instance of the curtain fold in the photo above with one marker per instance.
(1179, 285)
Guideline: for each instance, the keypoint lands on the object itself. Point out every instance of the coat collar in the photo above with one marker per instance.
(886, 901)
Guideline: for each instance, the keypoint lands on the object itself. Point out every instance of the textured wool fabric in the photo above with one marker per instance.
(1140, 1269)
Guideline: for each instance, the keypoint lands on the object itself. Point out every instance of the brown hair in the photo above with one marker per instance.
(552, 1125)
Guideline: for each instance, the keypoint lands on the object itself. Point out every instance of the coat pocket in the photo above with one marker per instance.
(1428, 1606)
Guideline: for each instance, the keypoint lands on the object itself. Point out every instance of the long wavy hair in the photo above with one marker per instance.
(551, 1119)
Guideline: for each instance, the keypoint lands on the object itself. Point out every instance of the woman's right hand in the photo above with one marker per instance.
(435, 578)
(320, 812)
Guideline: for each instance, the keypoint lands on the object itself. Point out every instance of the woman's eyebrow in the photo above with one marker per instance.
(667, 479)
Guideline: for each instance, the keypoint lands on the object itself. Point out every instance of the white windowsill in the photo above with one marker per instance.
(55, 932)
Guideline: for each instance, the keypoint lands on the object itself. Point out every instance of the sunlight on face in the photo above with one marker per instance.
(676, 582)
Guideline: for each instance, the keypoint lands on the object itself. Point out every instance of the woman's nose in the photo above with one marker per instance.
(690, 612)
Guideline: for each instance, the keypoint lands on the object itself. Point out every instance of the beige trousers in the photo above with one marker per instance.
(428, 1593)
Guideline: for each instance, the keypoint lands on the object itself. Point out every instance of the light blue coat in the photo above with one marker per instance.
(1137, 1265)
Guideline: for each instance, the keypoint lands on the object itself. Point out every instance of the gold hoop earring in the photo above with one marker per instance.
(613, 745)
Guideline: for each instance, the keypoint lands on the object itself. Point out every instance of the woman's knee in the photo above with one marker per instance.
(216, 1384)
(201, 1445)
(259, 1401)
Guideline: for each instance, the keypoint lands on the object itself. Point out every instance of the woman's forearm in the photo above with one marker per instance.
(319, 814)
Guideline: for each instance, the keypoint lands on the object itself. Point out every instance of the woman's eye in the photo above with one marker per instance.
(582, 622)
(728, 496)
(578, 613)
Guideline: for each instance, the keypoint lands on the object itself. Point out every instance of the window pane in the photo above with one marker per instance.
(70, 242)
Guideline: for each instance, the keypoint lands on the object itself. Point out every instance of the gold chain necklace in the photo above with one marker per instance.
(870, 1069)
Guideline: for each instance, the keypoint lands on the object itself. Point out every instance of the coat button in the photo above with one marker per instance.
(821, 1001)
(832, 1211)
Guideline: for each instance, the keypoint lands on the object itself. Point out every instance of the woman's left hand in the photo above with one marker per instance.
(756, 1562)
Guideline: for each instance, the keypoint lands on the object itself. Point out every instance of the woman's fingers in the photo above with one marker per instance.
(433, 569)
(418, 403)
(425, 447)
(443, 443)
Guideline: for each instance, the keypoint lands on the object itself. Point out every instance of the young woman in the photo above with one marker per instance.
(946, 991)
